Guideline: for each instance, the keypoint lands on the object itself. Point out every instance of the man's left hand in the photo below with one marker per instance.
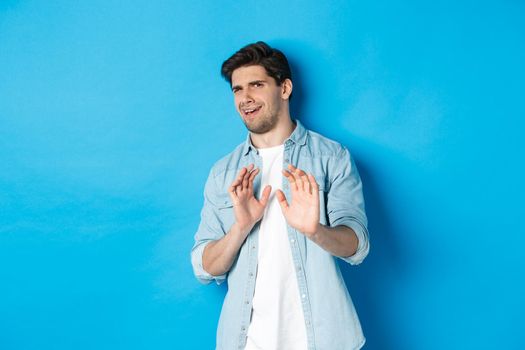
(303, 212)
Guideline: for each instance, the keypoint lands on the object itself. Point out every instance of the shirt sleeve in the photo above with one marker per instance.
(210, 229)
(345, 204)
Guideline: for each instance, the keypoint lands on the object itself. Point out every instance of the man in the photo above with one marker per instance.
(278, 212)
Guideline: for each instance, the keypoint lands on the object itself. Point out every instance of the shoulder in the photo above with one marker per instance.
(319, 145)
(219, 177)
(227, 162)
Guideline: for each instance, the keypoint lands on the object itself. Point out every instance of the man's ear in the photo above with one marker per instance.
(286, 89)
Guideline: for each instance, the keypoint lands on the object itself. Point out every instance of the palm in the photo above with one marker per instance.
(247, 209)
(303, 211)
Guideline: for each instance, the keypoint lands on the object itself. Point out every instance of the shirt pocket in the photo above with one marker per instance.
(225, 212)
(224, 201)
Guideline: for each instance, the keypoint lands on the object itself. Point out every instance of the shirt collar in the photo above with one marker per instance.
(298, 136)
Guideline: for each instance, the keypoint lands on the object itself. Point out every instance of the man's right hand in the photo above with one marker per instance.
(248, 210)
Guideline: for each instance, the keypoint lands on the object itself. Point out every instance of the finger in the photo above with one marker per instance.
(313, 183)
(265, 195)
(242, 172)
(282, 200)
(304, 180)
(238, 180)
(239, 177)
(231, 191)
(252, 177)
(291, 180)
(246, 177)
(307, 186)
(295, 173)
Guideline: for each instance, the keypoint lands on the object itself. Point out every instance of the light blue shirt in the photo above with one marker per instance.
(330, 318)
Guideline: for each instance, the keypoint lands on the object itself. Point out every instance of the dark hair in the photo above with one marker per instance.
(258, 54)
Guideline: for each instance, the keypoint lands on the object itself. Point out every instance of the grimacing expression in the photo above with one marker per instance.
(257, 97)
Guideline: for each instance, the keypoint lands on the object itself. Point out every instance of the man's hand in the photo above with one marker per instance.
(303, 213)
(248, 210)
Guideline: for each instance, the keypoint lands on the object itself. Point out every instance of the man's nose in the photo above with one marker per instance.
(246, 96)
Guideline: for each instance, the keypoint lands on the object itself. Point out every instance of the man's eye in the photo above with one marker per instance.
(257, 84)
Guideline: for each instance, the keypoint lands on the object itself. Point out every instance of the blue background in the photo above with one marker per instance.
(112, 113)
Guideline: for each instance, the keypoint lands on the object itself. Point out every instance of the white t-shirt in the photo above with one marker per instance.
(277, 320)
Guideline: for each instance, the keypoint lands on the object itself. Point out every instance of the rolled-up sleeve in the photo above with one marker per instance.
(345, 203)
(210, 229)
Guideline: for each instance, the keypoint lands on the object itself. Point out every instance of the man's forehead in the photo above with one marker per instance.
(246, 74)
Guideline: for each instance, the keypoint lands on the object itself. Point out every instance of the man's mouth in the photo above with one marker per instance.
(250, 112)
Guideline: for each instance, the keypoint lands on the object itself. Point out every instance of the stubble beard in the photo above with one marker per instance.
(262, 125)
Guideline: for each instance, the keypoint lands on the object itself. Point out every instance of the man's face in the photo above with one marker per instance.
(257, 97)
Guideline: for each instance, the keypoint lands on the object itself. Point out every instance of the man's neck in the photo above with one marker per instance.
(274, 137)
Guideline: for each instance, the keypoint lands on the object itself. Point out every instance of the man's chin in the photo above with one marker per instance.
(258, 129)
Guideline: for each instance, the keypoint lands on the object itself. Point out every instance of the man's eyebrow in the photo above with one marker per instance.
(238, 87)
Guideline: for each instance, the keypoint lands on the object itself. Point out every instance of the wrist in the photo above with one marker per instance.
(316, 233)
(241, 229)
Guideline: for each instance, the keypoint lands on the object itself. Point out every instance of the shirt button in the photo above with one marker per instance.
(253, 247)
(299, 268)
(251, 274)
(243, 329)
(247, 302)
(292, 240)
(303, 296)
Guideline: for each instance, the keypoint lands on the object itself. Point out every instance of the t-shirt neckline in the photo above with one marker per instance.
(271, 149)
